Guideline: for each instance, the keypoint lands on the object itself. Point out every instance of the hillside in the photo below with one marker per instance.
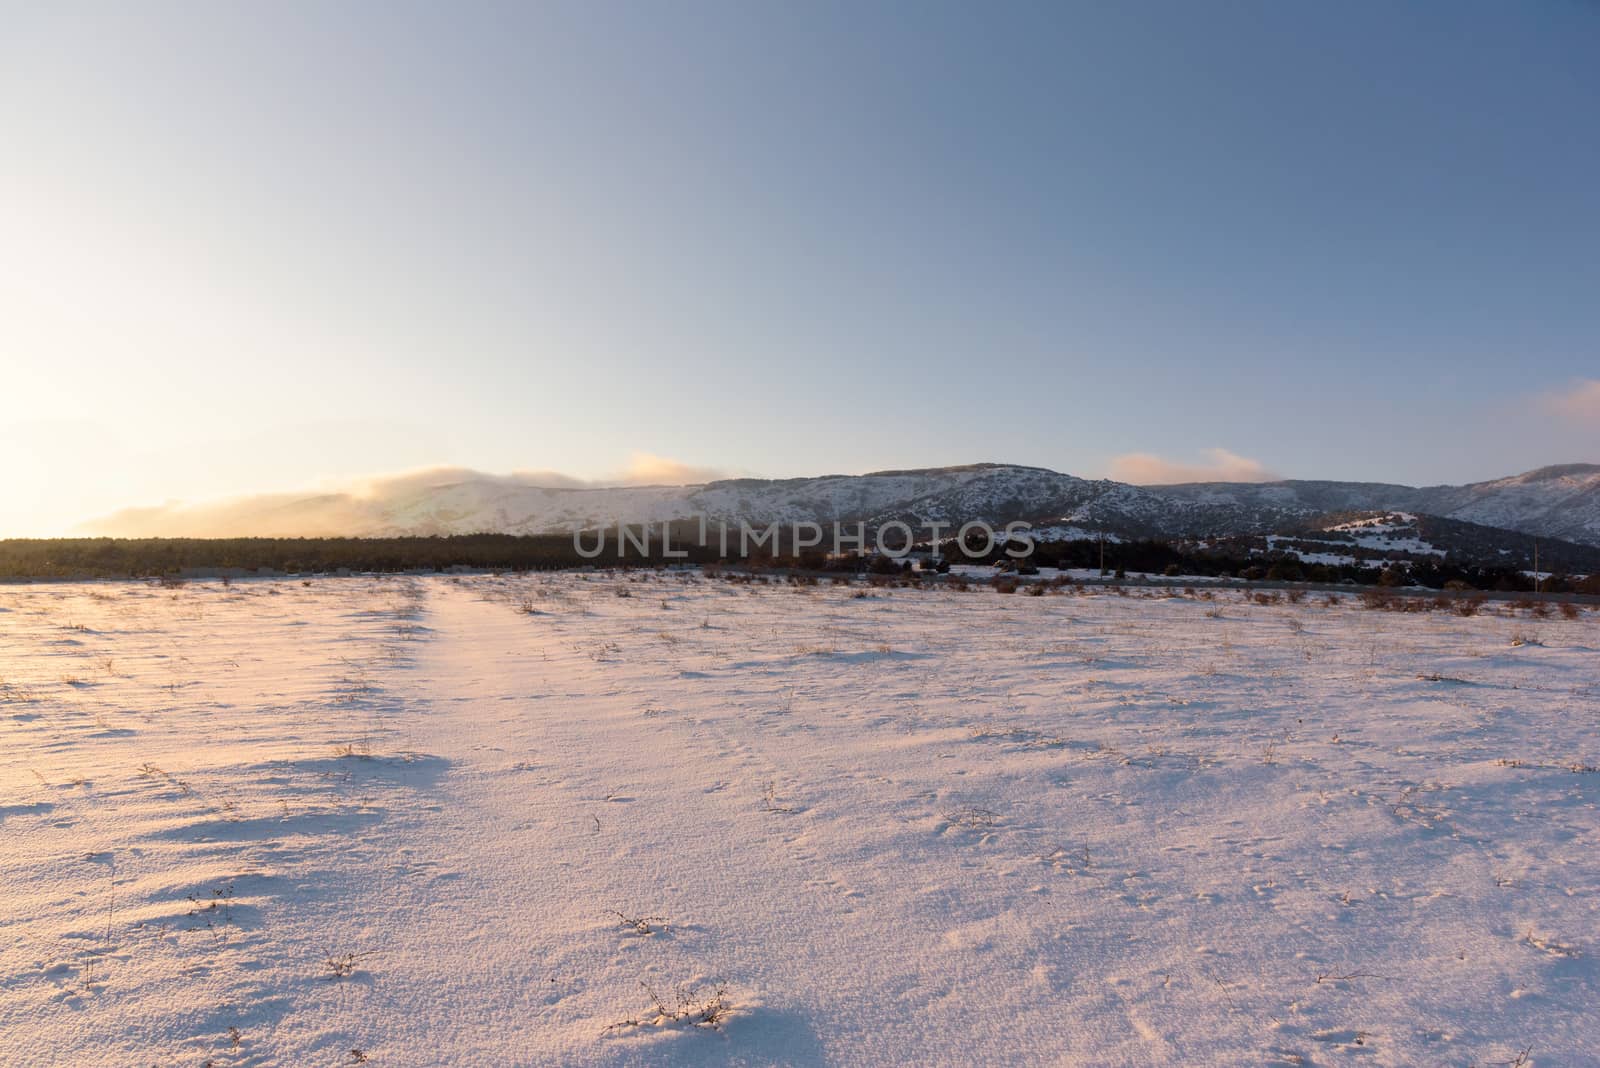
(1560, 502)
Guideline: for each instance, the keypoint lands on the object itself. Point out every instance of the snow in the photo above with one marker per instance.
(1393, 543)
(1395, 532)
(1069, 532)
(1387, 522)
(1378, 534)
(912, 827)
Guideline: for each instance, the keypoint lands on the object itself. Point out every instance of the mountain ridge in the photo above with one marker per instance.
(1556, 501)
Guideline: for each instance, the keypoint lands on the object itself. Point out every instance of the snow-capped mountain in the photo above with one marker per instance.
(1558, 502)
(1553, 502)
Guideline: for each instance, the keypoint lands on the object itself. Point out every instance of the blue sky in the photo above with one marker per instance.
(259, 247)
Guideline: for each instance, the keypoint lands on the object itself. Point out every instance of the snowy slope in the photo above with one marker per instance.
(1558, 502)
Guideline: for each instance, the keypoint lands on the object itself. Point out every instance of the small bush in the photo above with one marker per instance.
(691, 1008)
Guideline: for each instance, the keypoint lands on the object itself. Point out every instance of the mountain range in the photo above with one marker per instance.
(1559, 503)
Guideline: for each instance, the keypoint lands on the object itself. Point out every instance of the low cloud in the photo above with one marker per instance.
(1579, 402)
(1148, 469)
(363, 506)
(645, 469)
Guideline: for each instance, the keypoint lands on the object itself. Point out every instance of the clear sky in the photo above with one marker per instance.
(251, 247)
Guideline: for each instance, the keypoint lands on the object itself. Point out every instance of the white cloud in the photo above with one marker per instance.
(355, 504)
(645, 469)
(1148, 469)
(1579, 402)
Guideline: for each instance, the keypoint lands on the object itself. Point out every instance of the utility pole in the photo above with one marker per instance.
(1538, 580)
(1102, 552)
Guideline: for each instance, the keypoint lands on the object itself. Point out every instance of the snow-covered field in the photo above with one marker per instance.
(408, 821)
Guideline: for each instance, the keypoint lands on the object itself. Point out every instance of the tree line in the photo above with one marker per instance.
(66, 558)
